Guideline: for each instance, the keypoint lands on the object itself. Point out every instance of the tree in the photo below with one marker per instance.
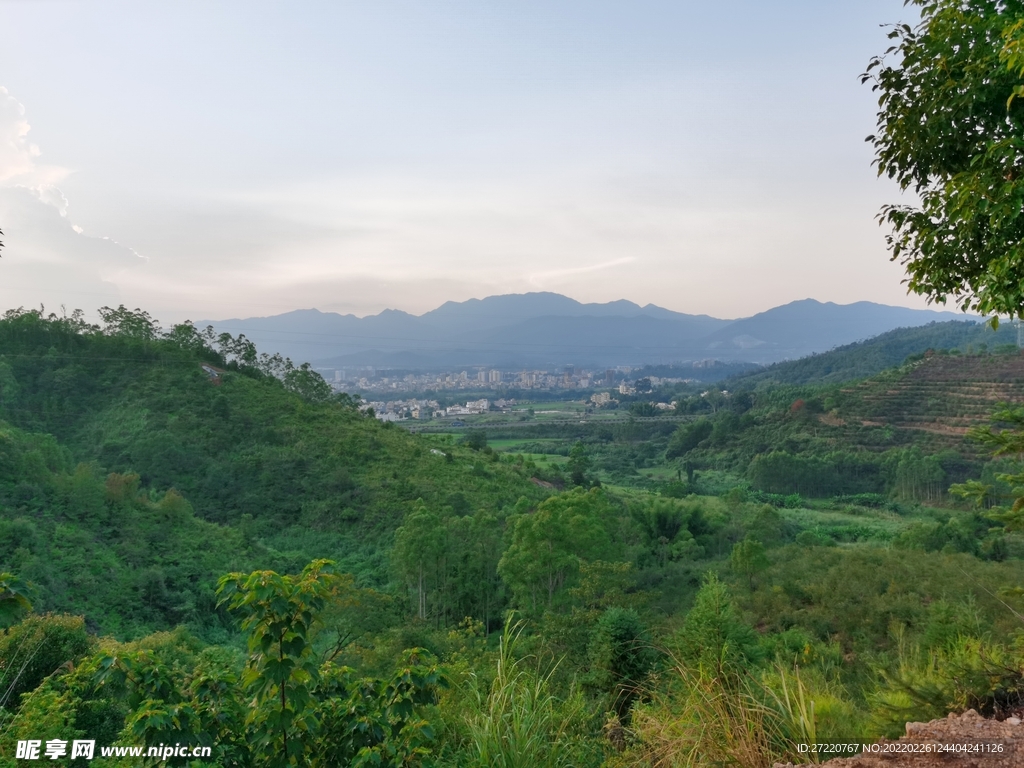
(476, 439)
(687, 437)
(288, 707)
(548, 545)
(578, 464)
(644, 410)
(419, 546)
(307, 384)
(663, 522)
(621, 657)
(713, 634)
(475, 579)
(951, 130)
(748, 558)
(132, 324)
(280, 614)
(767, 525)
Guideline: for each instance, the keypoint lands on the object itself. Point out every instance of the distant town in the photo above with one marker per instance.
(369, 380)
(371, 384)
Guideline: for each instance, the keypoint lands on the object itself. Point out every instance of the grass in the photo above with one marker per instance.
(517, 721)
(545, 458)
(662, 473)
(872, 524)
(510, 445)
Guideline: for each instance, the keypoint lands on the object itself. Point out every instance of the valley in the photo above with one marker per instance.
(759, 531)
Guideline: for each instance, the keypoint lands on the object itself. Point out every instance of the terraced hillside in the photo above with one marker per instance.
(939, 395)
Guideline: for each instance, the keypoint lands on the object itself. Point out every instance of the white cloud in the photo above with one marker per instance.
(47, 259)
(19, 164)
(17, 155)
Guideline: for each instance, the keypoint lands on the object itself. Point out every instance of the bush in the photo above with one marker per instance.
(38, 647)
(621, 657)
(714, 636)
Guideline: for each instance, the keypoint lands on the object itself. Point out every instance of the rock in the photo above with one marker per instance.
(953, 730)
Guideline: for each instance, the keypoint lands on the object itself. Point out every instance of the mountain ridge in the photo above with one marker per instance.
(544, 329)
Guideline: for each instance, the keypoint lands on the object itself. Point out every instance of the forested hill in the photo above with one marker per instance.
(118, 448)
(868, 358)
(903, 433)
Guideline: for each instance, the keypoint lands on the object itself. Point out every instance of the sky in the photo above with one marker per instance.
(239, 159)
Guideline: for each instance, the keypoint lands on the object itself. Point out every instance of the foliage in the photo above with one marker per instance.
(644, 410)
(287, 707)
(548, 545)
(749, 559)
(35, 648)
(621, 658)
(449, 564)
(13, 598)
(131, 477)
(782, 472)
(666, 527)
(714, 636)
(966, 673)
(687, 437)
(949, 129)
(518, 722)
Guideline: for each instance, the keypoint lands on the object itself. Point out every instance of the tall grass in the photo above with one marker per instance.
(697, 718)
(518, 722)
(700, 721)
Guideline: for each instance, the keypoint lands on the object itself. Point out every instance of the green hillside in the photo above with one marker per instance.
(258, 473)
(165, 497)
(868, 358)
(908, 425)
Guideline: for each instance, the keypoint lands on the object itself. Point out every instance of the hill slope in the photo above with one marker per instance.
(902, 432)
(868, 358)
(265, 476)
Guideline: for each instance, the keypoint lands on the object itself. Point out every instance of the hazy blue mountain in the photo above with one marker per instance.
(499, 311)
(547, 329)
(805, 327)
(309, 334)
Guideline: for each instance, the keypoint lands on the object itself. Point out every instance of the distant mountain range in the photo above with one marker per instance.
(547, 329)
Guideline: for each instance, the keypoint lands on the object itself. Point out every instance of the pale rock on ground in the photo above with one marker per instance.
(970, 728)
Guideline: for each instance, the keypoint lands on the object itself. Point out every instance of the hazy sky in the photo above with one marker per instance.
(210, 160)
